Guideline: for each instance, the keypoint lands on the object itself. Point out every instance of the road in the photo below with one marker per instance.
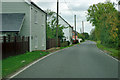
(80, 61)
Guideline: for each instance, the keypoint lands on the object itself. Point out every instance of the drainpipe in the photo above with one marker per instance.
(30, 42)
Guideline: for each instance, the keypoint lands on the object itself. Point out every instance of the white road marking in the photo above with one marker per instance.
(35, 63)
(32, 64)
(109, 55)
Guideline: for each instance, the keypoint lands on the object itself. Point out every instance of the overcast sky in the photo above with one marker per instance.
(68, 8)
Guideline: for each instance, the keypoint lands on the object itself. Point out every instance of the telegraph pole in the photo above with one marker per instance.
(75, 26)
(80, 30)
(57, 23)
(83, 26)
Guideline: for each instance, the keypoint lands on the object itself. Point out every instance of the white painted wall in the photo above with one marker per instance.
(67, 31)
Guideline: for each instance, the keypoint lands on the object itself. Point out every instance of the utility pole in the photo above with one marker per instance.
(57, 23)
(83, 26)
(80, 30)
(75, 26)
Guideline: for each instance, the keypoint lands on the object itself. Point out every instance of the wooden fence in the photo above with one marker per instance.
(12, 46)
(52, 43)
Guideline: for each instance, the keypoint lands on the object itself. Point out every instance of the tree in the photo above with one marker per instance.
(118, 2)
(49, 12)
(119, 27)
(51, 27)
(92, 35)
(81, 36)
(104, 17)
(86, 35)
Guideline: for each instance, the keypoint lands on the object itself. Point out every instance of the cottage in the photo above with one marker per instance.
(25, 18)
(67, 31)
(73, 35)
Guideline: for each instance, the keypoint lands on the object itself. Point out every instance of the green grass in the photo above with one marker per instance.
(112, 51)
(11, 64)
(14, 63)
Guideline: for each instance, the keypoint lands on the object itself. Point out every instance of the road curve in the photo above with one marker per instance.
(80, 61)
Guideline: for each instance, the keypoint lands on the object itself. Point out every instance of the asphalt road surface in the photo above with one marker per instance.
(81, 61)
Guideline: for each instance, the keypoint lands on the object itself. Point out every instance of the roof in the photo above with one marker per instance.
(11, 21)
(59, 17)
(65, 21)
(38, 7)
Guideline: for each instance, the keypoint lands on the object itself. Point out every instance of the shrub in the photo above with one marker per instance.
(65, 44)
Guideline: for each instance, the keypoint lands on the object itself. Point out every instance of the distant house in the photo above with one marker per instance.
(25, 19)
(73, 35)
(67, 31)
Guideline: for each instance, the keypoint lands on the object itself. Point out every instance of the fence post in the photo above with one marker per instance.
(4, 39)
(22, 38)
(4, 43)
(50, 43)
(28, 48)
(12, 46)
(15, 38)
(8, 38)
(22, 41)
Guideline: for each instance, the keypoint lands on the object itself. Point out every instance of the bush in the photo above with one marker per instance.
(68, 43)
(82, 40)
(81, 36)
(65, 44)
(75, 42)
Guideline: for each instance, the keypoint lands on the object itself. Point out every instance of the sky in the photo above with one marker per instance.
(69, 8)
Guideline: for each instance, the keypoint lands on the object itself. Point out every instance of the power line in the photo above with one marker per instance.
(71, 10)
(69, 7)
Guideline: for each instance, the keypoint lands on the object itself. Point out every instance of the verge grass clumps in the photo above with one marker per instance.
(14, 63)
(111, 51)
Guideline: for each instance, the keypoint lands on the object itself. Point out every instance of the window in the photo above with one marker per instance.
(35, 18)
(36, 42)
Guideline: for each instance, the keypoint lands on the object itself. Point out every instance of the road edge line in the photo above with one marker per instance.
(107, 54)
(110, 56)
(18, 72)
(32, 64)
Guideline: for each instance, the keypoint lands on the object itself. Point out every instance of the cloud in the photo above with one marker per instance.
(47, 5)
(68, 8)
(78, 7)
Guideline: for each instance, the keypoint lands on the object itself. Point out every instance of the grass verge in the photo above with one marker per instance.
(14, 63)
(68, 46)
(111, 51)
